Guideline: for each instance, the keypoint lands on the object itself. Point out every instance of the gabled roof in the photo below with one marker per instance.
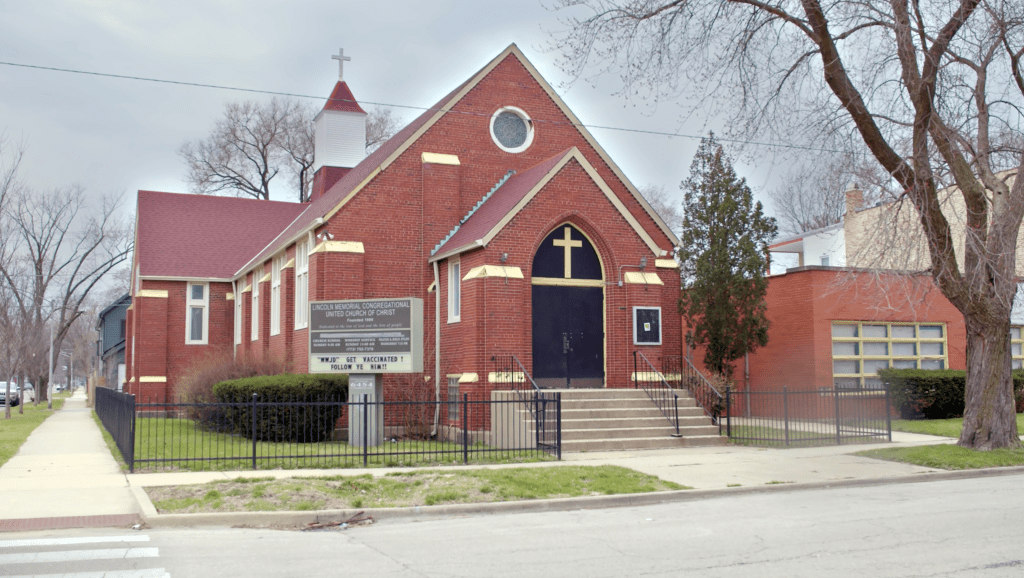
(334, 199)
(203, 237)
(347, 186)
(341, 99)
(791, 239)
(499, 206)
(124, 301)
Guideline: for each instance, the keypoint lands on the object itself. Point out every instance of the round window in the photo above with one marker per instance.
(511, 129)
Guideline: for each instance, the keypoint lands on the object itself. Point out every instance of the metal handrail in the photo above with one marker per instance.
(536, 403)
(709, 399)
(664, 397)
(510, 372)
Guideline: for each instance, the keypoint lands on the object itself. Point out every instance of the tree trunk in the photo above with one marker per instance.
(990, 420)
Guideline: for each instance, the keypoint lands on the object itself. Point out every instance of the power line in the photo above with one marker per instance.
(391, 105)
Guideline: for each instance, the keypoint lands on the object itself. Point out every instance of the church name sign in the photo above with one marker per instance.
(366, 336)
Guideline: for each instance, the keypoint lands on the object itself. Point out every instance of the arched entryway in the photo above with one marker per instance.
(568, 311)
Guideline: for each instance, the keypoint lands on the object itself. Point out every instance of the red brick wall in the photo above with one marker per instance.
(158, 327)
(803, 304)
(411, 206)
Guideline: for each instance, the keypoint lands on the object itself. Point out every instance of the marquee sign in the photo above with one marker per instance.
(366, 336)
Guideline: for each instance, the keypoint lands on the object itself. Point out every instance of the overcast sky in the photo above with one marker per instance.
(115, 135)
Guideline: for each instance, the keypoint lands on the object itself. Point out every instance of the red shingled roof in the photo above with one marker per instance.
(484, 218)
(204, 237)
(341, 99)
(323, 205)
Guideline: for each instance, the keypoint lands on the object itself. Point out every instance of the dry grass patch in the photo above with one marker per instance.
(397, 489)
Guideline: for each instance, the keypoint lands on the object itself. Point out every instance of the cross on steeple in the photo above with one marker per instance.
(342, 59)
(567, 243)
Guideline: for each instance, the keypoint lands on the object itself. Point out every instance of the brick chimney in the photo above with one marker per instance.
(854, 198)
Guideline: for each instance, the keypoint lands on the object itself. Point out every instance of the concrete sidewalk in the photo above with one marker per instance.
(64, 476)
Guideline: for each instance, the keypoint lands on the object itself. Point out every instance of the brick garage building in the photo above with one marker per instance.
(836, 324)
(496, 207)
(835, 327)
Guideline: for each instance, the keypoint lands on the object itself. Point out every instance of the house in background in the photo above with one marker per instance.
(825, 247)
(854, 306)
(111, 343)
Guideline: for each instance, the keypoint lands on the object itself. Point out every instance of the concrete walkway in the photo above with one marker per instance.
(64, 476)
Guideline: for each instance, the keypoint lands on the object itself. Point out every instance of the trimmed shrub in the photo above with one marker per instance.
(935, 394)
(196, 384)
(317, 406)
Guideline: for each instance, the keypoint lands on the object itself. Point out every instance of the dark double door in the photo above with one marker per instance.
(568, 336)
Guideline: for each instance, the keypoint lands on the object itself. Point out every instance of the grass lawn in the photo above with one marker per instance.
(949, 457)
(14, 431)
(396, 489)
(769, 437)
(949, 428)
(164, 440)
(946, 456)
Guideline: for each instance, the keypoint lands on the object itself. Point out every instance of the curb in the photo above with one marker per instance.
(70, 522)
(154, 519)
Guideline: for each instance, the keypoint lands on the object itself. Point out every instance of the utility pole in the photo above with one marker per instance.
(49, 380)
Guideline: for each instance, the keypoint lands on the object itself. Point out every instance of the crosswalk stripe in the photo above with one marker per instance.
(78, 555)
(72, 541)
(147, 573)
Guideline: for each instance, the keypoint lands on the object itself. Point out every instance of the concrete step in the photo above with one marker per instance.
(572, 403)
(638, 432)
(627, 412)
(603, 445)
(630, 422)
(623, 419)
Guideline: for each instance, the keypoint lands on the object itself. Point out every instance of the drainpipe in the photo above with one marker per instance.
(437, 351)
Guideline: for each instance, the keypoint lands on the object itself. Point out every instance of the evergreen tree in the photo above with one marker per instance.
(723, 254)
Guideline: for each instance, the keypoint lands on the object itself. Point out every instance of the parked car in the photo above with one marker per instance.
(15, 394)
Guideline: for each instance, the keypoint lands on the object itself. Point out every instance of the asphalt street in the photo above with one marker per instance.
(964, 528)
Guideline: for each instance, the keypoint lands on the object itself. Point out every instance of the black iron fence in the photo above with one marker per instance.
(807, 418)
(654, 384)
(258, 434)
(116, 411)
(544, 407)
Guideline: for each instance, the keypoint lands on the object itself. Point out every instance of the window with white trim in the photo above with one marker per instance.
(275, 294)
(1017, 347)
(256, 274)
(238, 310)
(197, 307)
(301, 284)
(511, 129)
(859, 350)
(454, 290)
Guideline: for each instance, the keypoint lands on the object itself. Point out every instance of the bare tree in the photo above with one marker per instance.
(253, 142)
(813, 194)
(381, 125)
(243, 153)
(54, 251)
(935, 92)
(297, 145)
(666, 207)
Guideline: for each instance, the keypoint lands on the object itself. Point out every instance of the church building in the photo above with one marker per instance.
(496, 207)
